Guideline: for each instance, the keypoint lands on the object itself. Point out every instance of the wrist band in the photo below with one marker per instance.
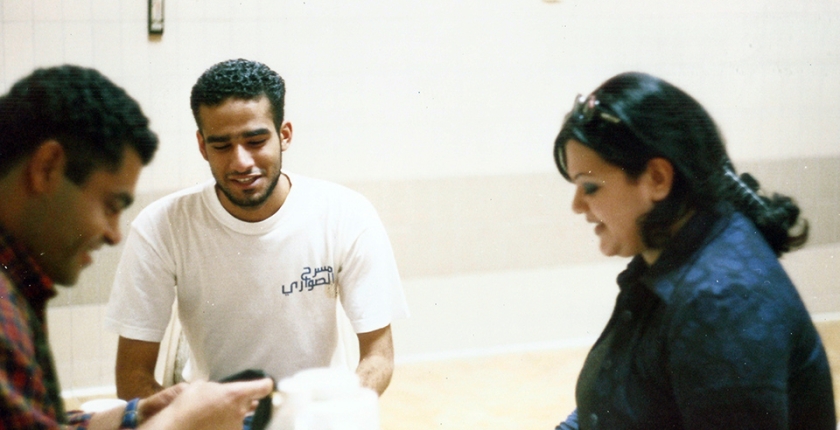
(129, 418)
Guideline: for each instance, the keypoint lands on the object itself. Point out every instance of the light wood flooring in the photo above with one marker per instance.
(522, 391)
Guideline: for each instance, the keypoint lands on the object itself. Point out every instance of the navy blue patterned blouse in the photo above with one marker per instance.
(713, 336)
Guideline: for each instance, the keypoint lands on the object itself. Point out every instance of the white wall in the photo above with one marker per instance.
(416, 90)
(449, 88)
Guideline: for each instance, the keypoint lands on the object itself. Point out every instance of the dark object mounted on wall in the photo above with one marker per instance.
(155, 16)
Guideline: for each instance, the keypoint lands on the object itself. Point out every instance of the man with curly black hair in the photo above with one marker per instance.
(72, 145)
(259, 258)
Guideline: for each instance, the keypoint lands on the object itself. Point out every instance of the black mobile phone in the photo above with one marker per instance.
(262, 415)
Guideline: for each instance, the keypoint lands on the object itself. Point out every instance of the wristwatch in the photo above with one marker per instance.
(129, 418)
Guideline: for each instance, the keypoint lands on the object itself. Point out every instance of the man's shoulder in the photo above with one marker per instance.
(185, 198)
(325, 190)
(8, 291)
(312, 184)
(12, 312)
(186, 195)
(172, 210)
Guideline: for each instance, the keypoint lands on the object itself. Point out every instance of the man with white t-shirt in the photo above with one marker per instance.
(257, 258)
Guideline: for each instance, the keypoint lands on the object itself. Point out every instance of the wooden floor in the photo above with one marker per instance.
(532, 390)
(522, 391)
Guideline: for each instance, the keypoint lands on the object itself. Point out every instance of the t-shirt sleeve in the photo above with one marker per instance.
(144, 286)
(370, 288)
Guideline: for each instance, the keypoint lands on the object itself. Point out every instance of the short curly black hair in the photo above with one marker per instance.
(91, 117)
(241, 79)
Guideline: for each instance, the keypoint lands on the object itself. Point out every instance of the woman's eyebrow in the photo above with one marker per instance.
(587, 173)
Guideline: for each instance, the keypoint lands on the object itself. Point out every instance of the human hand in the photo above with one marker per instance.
(211, 405)
(153, 404)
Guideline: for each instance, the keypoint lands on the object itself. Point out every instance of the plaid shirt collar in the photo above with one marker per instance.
(25, 273)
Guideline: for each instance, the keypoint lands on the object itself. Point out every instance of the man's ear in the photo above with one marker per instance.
(201, 147)
(285, 135)
(45, 168)
(659, 178)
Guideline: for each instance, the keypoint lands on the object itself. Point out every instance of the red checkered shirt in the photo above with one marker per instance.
(29, 389)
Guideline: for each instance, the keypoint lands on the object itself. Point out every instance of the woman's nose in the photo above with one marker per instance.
(578, 205)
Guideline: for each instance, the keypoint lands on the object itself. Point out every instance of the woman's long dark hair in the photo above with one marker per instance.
(634, 117)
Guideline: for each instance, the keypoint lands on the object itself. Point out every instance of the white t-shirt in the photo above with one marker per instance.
(257, 295)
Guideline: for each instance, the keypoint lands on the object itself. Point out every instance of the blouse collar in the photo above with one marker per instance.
(697, 231)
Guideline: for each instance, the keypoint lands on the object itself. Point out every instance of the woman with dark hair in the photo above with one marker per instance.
(708, 331)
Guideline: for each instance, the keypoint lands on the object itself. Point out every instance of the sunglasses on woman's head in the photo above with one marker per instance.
(585, 109)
